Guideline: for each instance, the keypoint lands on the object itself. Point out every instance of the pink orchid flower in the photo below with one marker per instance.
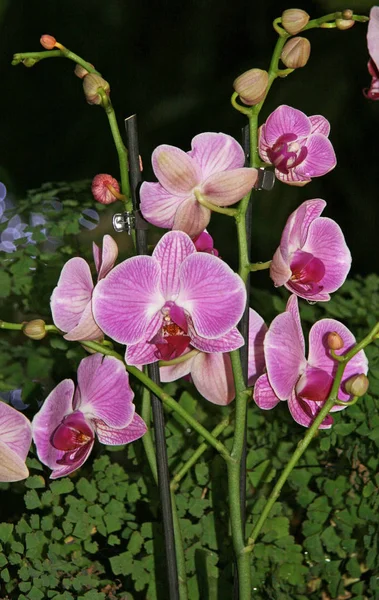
(313, 258)
(161, 304)
(213, 170)
(71, 301)
(297, 145)
(102, 404)
(15, 440)
(373, 48)
(212, 372)
(304, 383)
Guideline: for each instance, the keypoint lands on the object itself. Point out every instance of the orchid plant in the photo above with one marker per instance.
(182, 312)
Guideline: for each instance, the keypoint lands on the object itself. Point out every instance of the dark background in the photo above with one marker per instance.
(173, 63)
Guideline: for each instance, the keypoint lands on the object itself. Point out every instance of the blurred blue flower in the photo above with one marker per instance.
(87, 222)
(14, 398)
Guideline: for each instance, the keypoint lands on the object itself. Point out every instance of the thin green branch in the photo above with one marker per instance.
(260, 266)
(180, 359)
(37, 56)
(231, 212)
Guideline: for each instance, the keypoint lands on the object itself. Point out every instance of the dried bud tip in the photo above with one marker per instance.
(295, 53)
(294, 19)
(48, 42)
(334, 341)
(91, 85)
(347, 14)
(105, 188)
(29, 62)
(251, 86)
(344, 24)
(35, 330)
(81, 71)
(357, 385)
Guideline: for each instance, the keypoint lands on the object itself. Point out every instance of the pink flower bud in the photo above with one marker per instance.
(357, 385)
(80, 71)
(105, 188)
(294, 19)
(35, 330)
(296, 52)
(91, 85)
(251, 86)
(347, 13)
(334, 341)
(48, 41)
(344, 24)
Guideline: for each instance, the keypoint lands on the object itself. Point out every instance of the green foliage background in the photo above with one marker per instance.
(97, 534)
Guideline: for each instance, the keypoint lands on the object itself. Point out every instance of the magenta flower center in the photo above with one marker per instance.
(315, 385)
(72, 436)
(172, 340)
(287, 153)
(307, 271)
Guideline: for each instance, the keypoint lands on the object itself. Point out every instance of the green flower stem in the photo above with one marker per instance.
(304, 443)
(321, 21)
(231, 212)
(166, 398)
(11, 326)
(19, 57)
(148, 445)
(260, 266)
(120, 147)
(196, 455)
(242, 109)
(180, 359)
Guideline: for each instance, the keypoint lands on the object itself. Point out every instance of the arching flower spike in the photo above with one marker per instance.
(102, 404)
(313, 258)
(161, 304)
(213, 169)
(15, 440)
(212, 372)
(297, 145)
(304, 383)
(71, 301)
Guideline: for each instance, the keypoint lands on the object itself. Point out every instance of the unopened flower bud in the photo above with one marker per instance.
(80, 71)
(334, 341)
(344, 24)
(48, 41)
(35, 330)
(296, 52)
(294, 19)
(91, 85)
(347, 13)
(29, 62)
(251, 86)
(357, 385)
(105, 188)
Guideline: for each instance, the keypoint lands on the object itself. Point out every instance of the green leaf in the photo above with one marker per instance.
(6, 530)
(63, 486)
(5, 284)
(35, 482)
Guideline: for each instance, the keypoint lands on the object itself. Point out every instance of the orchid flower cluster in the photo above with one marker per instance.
(181, 306)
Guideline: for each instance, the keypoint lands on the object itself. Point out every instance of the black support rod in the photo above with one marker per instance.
(153, 372)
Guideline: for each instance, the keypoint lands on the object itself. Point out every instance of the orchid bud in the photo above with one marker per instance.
(91, 85)
(347, 13)
(80, 71)
(48, 42)
(251, 86)
(296, 52)
(29, 62)
(344, 24)
(105, 188)
(294, 19)
(35, 330)
(357, 385)
(334, 341)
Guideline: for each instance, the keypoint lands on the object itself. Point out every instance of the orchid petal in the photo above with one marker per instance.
(373, 35)
(191, 217)
(280, 271)
(228, 342)
(78, 458)
(105, 259)
(286, 119)
(284, 355)
(304, 412)
(159, 206)
(326, 241)
(117, 437)
(174, 372)
(86, 329)
(320, 125)
(15, 431)
(314, 385)
(12, 466)
(212, 376)
(212, 294)
(216, 152)
(170, 252)
(293, 308)
(320, 159)
(296, 230)
(72, 294)
(57, 405)
(293, 177)
(228, 187)
(103, 391)
(257, 332)
(125, 302)
(177, 172)
(264, 395)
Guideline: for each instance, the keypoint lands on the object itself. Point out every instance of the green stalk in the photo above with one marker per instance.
(19, 57)
(304, 443)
